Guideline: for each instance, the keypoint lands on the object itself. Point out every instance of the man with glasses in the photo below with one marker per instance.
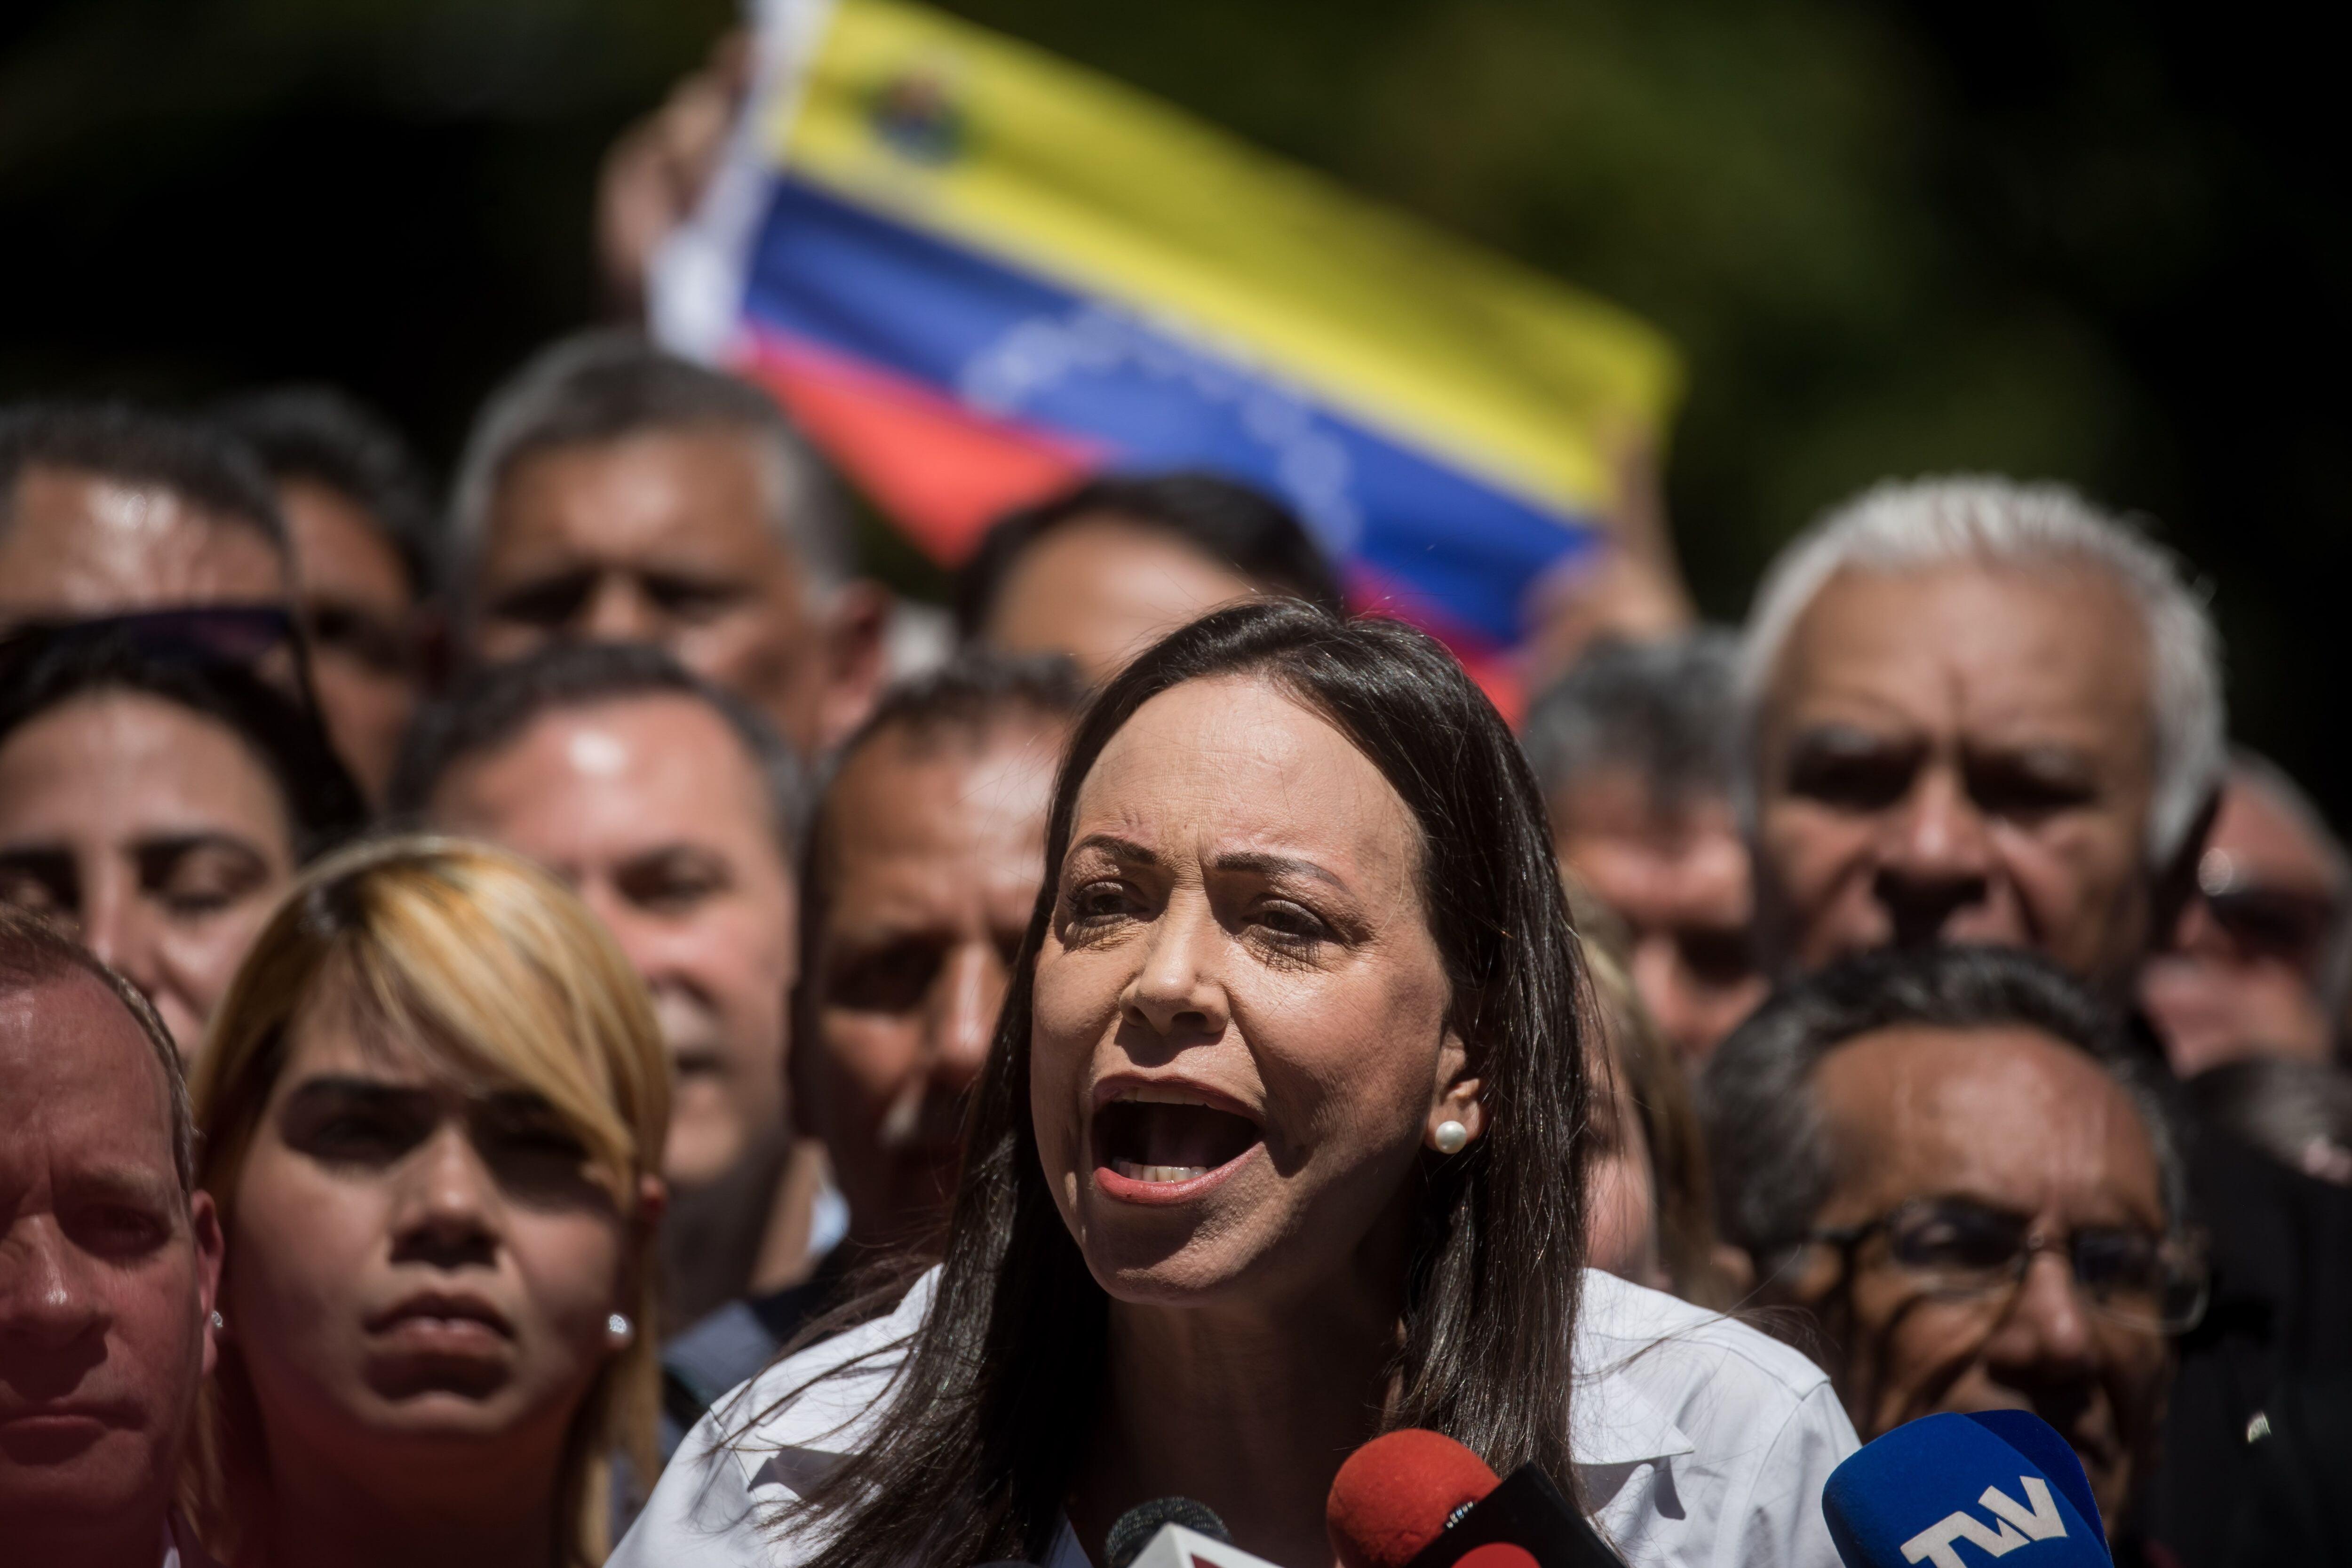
(1953, 1159)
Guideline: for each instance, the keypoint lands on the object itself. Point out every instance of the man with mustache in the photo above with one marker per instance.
(1980, 711)
(924, 855)
(109, 1264)
(1955, 1161)
(923, 866)
(672, 809)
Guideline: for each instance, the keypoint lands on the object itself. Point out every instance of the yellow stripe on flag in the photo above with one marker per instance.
(1096, 187)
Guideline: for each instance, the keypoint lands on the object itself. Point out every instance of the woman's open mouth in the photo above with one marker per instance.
(1160, 1140)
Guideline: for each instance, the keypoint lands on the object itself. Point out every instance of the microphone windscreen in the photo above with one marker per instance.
(1395, 1494)
(1134, 1528)
(1914, 1496)
(2040, 1442)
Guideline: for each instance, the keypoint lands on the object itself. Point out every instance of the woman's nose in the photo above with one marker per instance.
(1177, 991)
(447, 1211)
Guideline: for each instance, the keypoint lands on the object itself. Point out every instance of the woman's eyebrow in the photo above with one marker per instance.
(350, 1089)
(1270, 865)
(1123, 849)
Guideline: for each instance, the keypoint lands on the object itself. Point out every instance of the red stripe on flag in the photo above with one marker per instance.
(941, 471)
(1495, 672)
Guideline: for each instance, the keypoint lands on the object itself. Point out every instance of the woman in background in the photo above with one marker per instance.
(1650, 1211)
(432, 1106)
(156, 806)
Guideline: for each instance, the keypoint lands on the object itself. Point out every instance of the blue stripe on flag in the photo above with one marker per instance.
(1012, 346)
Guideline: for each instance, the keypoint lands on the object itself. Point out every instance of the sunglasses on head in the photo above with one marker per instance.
(260, 639)
(2291, 924)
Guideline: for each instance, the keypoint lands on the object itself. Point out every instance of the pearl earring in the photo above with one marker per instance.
(1451, 1137)
(620, 1328)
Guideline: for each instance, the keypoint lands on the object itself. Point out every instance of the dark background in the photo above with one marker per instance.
(2098, 242)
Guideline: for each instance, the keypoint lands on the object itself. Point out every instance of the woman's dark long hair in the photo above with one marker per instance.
(975, 1454)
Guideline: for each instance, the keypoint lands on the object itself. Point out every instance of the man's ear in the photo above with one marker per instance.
(857, 658)
(2176, 880)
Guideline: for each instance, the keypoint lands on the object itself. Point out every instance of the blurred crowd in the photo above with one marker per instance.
(576, 867)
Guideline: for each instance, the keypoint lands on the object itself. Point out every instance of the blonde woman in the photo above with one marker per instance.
(431, 1105)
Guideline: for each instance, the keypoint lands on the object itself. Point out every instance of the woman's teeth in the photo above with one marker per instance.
(1135, 1172)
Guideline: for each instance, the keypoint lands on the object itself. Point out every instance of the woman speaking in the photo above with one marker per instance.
(1278, 1147)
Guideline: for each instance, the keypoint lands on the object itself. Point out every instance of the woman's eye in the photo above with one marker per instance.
(1098, 901)
(1292, 923)
(359, 1139)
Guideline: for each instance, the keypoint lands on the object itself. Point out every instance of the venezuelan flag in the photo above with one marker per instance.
(975, 273)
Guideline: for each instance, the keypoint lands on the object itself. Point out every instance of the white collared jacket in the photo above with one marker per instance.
(1700, 1443)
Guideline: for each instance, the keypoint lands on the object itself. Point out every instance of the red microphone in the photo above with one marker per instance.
(1398, 1492)
(1420, 1499)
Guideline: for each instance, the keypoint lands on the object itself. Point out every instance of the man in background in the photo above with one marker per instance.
(672, 810)
(610, 493)
(108, 509)
(109, 1264)
(1956, 1163)
(361, 516)
(1101, 572)
(1634, 751)
(1979, 711)
(2261, 959)
(925, 854)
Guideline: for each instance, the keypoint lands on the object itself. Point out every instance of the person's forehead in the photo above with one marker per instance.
(84, 543)
(608, 778)
(646, 496)
(1231, 765)
(1967, 645)
(928, 816)
(165, 770)
(338, 1032)
(1623, 801)
(2006, 1112)
(77, 1067)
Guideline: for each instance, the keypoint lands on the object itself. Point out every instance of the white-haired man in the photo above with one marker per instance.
(610, 493)
(1978, 711)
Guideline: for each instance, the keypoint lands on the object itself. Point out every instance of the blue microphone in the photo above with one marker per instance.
(1962, 1491)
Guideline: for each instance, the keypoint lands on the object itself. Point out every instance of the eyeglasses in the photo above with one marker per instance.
(259, 638)
(1958, 1249)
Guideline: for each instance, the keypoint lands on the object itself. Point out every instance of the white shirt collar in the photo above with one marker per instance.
(1612, 1421)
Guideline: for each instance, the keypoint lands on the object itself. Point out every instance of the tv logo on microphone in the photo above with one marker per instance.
(2016, 1525)
(1891, 1504)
